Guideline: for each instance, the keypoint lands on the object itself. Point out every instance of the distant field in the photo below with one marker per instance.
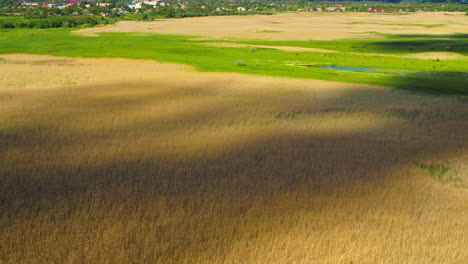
(444, 74)
(300, 26)
(150, 147)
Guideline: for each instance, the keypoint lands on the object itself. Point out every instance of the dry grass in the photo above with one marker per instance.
(436, 55)
(123, 161)
(298, 26)
(285, 48)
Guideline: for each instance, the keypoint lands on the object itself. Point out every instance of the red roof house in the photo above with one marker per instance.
(374, 10)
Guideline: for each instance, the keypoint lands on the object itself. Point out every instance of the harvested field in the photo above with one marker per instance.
(299, 26)
(133, 161)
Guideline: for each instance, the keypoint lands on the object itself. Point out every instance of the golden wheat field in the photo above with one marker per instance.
(163, 164)
(298, 26)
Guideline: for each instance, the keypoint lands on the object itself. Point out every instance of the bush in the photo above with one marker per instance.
(50, 22)
(240, 63)
(6, 24)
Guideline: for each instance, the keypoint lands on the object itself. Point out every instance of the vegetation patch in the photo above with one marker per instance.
(400, 24)
(289, 115)
(435, 77)
(268, 31)
(445, 174)
(240, 63)
(16, 84)
(404, 114)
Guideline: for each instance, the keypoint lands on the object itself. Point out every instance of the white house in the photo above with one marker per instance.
(151, 3)
(30, 4)
(134, 6)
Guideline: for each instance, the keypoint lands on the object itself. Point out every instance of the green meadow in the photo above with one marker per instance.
(383, 57)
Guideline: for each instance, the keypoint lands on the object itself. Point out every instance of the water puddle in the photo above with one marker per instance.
(350, 69)
(347, 69)
(387, 71)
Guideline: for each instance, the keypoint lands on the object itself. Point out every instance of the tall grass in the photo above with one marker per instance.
(140, 162)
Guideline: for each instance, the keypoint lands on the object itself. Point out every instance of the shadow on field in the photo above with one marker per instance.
(433, 82)
(430, 36)
(183, 170)
(425, 43)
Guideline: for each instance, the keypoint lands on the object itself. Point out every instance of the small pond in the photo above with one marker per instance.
(350, 69)
(346, 69)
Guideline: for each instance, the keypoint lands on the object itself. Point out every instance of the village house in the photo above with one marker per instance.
(373, 10)
(335, 9)
(30, 4)
(103, 4)
(134, 6)
(240, 8)
(151, 3)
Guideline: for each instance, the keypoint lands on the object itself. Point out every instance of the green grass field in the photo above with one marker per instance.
(438, 76)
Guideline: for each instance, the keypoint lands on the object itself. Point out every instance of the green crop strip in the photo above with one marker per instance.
(390, 44)
(430, 76)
